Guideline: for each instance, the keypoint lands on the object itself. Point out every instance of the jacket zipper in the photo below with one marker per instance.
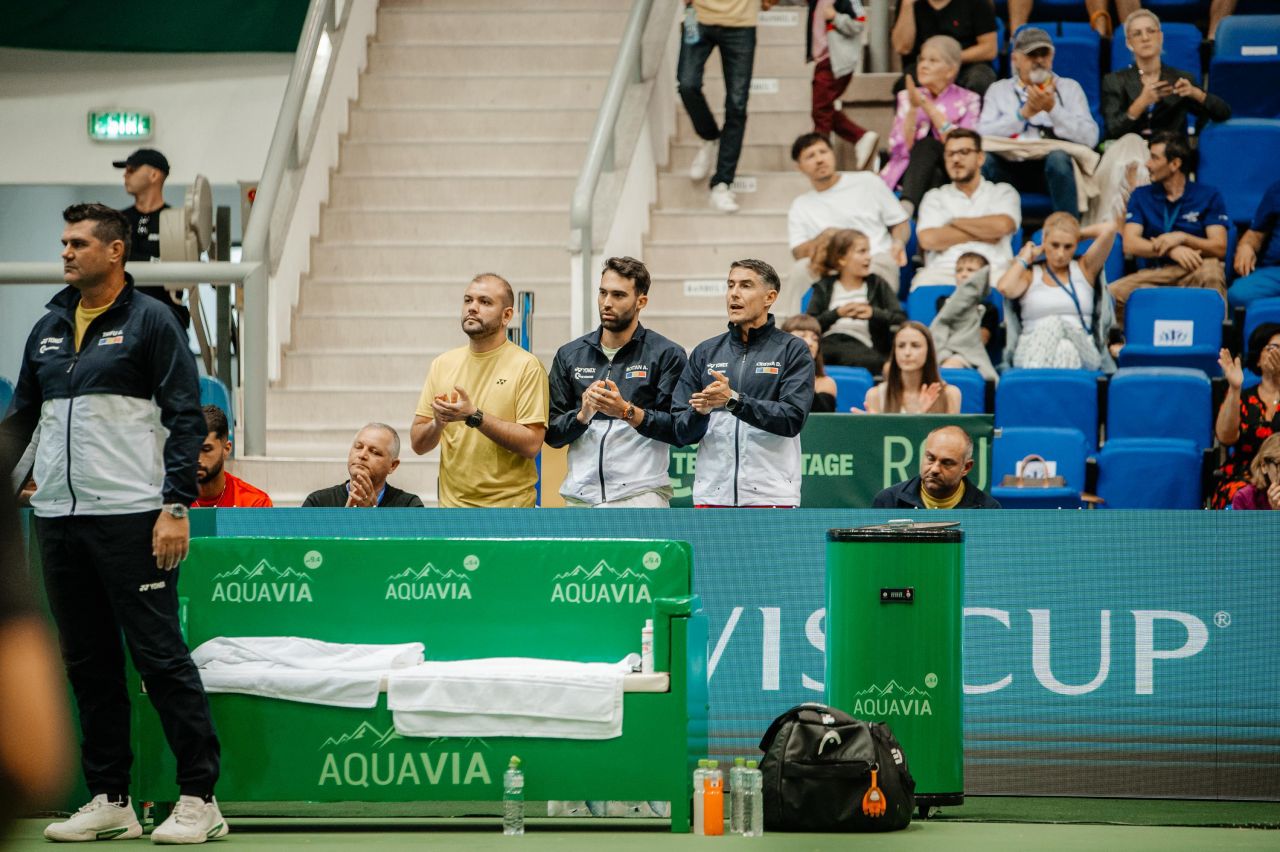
(600, 462)
(71, 402)
(737, 425)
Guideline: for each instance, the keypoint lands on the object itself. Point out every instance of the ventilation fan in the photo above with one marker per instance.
(187, 232)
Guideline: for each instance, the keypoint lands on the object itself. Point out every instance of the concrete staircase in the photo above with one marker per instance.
(461, 155)
(688, 245)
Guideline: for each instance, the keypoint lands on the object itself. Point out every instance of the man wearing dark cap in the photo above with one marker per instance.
(144, 173)
(1037, 104)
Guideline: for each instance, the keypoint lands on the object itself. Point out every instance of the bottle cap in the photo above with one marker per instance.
(515, 762)
(648, 624)
(751, 764)
(713, 764)
(739, 761)
(702, 763)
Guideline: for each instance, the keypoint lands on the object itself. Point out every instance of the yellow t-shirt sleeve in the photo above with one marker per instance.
(533, 397)
(429, 394)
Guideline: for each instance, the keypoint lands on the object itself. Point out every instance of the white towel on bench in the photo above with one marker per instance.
(509, 697)
(304, 670)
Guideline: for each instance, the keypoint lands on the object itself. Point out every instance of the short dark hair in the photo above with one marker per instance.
(631, 269)
(768, 275)
(974, 255)
(109, 224)
(509, 295)
(1177, 146)
(965, 133)
(215, 421)
(804, 142)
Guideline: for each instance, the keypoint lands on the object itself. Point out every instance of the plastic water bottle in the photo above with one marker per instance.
(737, 784)
(699, 798)
(713, 807)
(692, 32)
(752, 801)
(513, 799)
(646, 647)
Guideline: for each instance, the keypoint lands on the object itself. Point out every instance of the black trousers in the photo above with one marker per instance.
(103, 581)
(844, 351)
(924, 170)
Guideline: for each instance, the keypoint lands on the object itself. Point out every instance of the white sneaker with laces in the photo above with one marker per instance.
(864, 150)
(722, 198)
(704, 160)
(98, 820)
(193, 821)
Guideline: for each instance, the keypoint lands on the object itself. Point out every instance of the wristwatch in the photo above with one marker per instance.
(475, 418)
(175, 510)
(732, 404)
(629, 413)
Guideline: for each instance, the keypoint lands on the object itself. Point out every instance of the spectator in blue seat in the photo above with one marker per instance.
(965, 323)
(1263, 490)
(856, 308)
(943, 482)
(914, 385)
(807, 329)
(1099, 17)
(1032, 105)
(1257, 258)
(1139, 102)
(1248, 415)
(1055, 298)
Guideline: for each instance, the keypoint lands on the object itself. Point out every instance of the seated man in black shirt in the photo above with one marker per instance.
(374, 454)
(970, 22)
(942, 483)
(145, 171)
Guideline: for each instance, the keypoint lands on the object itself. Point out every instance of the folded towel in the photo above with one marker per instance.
(303, 670)
(509, 696)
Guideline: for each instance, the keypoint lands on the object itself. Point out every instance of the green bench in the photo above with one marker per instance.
(583, 600)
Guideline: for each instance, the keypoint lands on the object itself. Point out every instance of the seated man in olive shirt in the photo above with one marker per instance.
(942, 483)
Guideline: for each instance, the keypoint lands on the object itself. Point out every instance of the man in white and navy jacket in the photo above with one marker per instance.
(109, 381)
(744, 398)
(611, 400)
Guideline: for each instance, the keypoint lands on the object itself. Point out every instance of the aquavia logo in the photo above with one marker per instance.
(428, 583)
(601, 584)
(892, 699)
(367, 757)
(264, 583)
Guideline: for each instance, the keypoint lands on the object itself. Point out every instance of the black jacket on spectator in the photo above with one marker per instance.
(886, 311)
(336, 498)
(1121, 88)
(906, 495)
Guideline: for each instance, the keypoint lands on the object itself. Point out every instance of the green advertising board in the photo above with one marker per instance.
(846, 459)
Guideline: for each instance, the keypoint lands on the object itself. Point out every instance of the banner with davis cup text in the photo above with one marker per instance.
(847, 459)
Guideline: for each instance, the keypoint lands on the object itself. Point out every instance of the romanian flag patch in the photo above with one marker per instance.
(773, 371)
(638, 374)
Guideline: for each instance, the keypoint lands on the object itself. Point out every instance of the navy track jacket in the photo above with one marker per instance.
(608, 460)
(120, 424)
(750, 457)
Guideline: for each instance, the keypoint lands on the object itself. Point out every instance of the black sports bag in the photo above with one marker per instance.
(818, 764)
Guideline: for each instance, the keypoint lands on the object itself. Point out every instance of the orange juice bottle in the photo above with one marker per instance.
(713, 801)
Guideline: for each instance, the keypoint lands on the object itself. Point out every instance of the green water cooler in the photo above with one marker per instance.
(895, 598)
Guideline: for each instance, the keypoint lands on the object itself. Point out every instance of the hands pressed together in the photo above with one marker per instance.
(603, 397)
(453, 407)
(713, 396)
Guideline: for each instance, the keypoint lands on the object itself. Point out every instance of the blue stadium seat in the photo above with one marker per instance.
(906, 273)
(1160, 402)
(1000, 63)
(6, 395)
(804, 300)
(922, 304)
(1173, 327)
(1245, 66)
(1180, 10)
(1049, 398)
(1065, 448)
(1113, 268)
(1240, 179)
(852, 384)
(214, 392)
(1181, 49)
(973, 388)
(1059, 10)
(1149, 473)
(1263, 310)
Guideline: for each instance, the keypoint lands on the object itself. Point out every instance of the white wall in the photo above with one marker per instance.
(214, 112)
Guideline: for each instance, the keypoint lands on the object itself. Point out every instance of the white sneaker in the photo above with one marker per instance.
(98, 820)
(722, 198)
(704, 160)
(192, 821)
(865, 149)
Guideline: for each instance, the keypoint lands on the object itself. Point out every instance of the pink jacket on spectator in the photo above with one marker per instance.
(1250, 497)
(962, 108)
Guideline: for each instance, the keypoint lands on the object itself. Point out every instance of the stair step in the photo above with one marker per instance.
(482, 58)
(341, 406)
(765, 225)
(289, 479)
(398, 24)
(359, 259)
(349, 223)
(755, 157)
(706, 259)
(382, 367)
(408, 159)
(389, 294)
(773, 191)
(505, 6)
(461, 192)
(421, 90)
(391, 332)
(406, 124)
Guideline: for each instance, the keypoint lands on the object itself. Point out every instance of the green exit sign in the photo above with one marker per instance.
(120, 126)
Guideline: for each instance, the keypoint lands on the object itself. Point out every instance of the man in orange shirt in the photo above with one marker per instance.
(217, 487)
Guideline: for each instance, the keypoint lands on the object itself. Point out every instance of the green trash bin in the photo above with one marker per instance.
(895, 598)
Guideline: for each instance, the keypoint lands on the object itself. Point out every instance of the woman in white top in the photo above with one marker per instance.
(1054, 295)
(914, 385)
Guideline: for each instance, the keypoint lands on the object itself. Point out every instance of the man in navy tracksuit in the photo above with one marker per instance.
(611, 400)
(108, 380)
(744, 398)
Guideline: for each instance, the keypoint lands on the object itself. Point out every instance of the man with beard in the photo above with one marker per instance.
(217, 487)
(374, 454)
(611, 400)
(485, 406)
(942, 483)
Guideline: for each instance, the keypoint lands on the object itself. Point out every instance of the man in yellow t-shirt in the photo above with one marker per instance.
(485, 405)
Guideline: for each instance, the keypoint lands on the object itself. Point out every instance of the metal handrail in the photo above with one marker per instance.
(180, 273)
(626, 70)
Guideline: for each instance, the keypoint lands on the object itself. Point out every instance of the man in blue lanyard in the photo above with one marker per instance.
(1178, 227)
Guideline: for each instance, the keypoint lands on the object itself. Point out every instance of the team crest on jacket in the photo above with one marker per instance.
(768, 367)
(638, 371)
